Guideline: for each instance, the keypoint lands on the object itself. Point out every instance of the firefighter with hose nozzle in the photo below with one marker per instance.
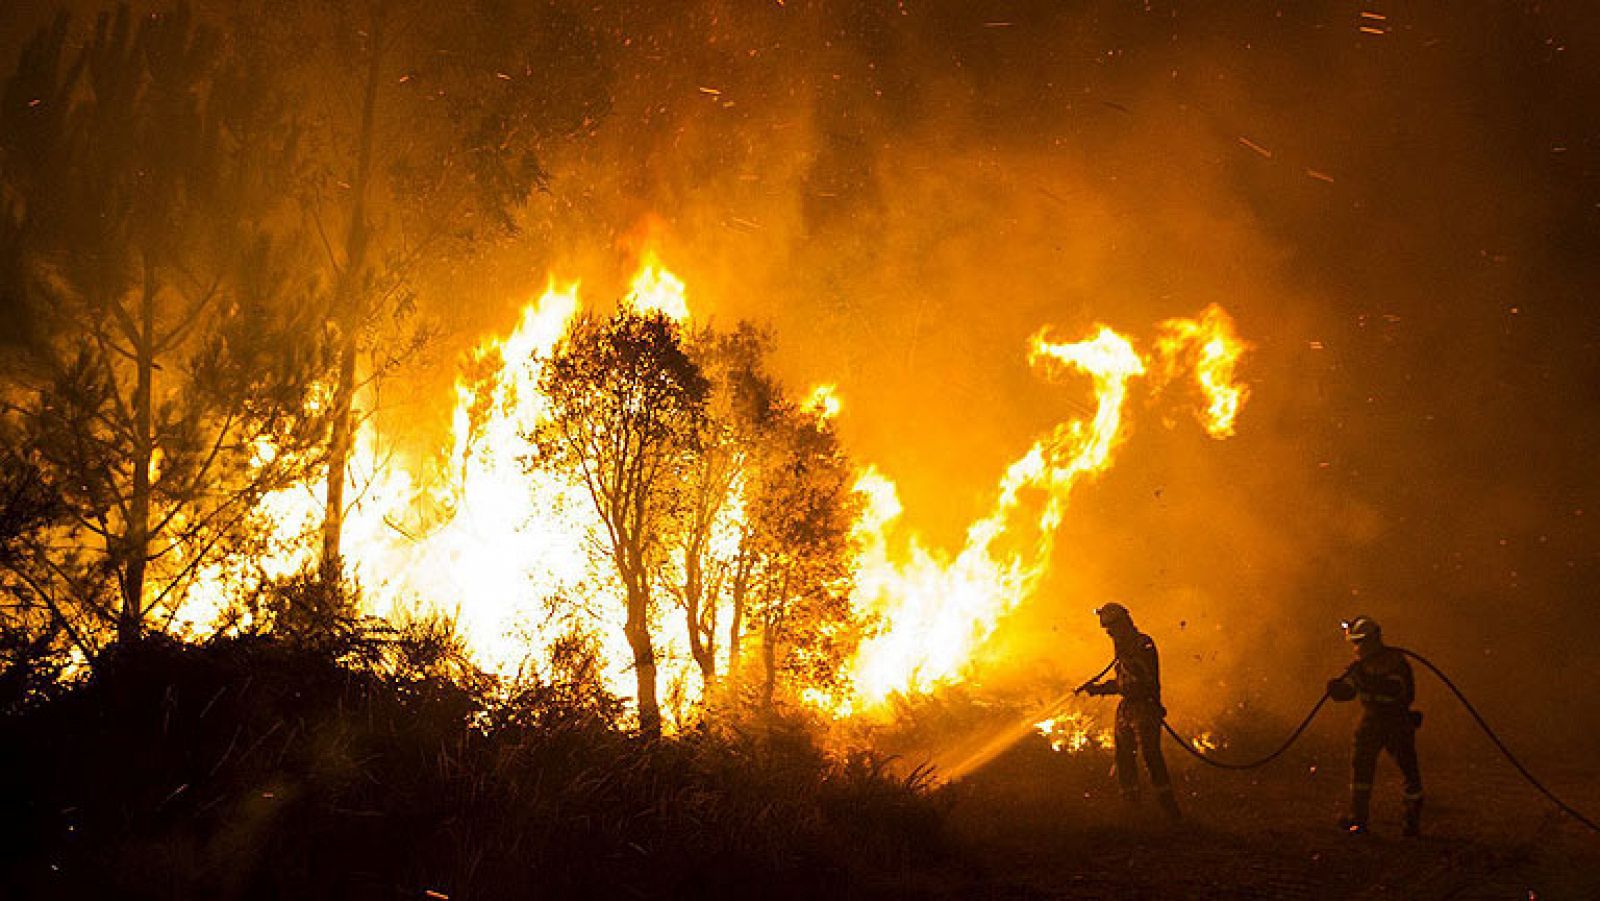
(1381, 678)
(1138, 724)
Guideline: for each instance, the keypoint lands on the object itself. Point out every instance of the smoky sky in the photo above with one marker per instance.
(1399, 203)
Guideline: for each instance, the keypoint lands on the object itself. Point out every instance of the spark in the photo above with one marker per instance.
(1256, 147)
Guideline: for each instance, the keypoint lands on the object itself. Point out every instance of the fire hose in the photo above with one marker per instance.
(1316, 708)
(1565, 808)
(1225, 765)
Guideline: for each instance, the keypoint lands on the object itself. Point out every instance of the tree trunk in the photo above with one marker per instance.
(637, 630)
(339, 445)
(130, 621)
(769, 659)
(738, 591)
(772, 623)
(350, 312)
(702, 641)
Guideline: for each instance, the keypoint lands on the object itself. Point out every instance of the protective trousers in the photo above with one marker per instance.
(1138, 730)
(1390, 731)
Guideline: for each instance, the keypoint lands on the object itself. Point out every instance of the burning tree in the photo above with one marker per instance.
(423, 123)
(798, 566)
(171, 350)
(626, 401)
(741, 411)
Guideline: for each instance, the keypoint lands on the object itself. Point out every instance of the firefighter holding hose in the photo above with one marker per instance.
(1137, 679)
(1381, 677)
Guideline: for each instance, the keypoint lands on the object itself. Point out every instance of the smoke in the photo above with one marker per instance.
(1401, 222)
(906, 191)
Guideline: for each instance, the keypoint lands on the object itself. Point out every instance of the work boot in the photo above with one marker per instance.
(1413, 818)
(1355, 822)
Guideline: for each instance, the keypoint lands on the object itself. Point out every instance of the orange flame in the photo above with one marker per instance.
(934, 612)
(655, 290)
(824, 401)
(1211, 346)
(1070, 733)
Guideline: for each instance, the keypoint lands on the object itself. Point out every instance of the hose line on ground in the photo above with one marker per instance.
(1222, 764)
(1566, 808)
(1477, 717)
(1225, 765)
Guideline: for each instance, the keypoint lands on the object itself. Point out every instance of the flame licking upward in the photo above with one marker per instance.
(935, 611)
(1211, 347)
(824, 400)
(655, 290)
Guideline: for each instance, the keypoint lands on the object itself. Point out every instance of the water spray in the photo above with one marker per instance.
(1015, 732)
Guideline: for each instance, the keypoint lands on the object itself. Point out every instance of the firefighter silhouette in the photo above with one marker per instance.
(1137, 679)
(1381, 678)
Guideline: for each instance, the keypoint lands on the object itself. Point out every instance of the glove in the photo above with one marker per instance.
(1340, 690)
(1100, 689)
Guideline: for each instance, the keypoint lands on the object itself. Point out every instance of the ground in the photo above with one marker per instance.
(1035, 827)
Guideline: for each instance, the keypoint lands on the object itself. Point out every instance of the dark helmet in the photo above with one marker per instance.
(1361, 629)
(1111, 614)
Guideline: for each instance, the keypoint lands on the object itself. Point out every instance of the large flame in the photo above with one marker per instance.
(935, 611)
(480, 536)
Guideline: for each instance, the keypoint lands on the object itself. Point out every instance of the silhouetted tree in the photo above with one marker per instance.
(424, 122)
(626, 401)
(799, 512)
(171, 341)
(732, 436)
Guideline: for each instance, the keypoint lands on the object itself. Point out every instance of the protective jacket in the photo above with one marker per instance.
(1381, 678)
(1137, 728)
(1138, 673)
